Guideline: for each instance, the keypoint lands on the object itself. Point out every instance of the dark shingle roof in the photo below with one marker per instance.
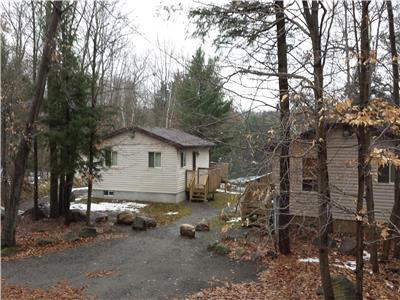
(176, 137)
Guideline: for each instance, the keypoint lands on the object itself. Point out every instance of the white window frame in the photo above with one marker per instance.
(108, 193)
(390, 175)
(182, 157)
(114, 158)
(155, 153)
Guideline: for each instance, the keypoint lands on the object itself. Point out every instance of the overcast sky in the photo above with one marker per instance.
(156, 26)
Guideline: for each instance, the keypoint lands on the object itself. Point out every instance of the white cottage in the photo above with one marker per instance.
(151, 164)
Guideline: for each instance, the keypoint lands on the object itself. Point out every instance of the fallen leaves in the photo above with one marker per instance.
(29, 233)
(61, 291)
(101, 274)
(287, 277)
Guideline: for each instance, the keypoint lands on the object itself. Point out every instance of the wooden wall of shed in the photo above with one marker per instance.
(342, 167)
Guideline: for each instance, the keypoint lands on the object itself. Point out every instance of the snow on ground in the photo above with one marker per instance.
(171, 213)
(83, 189)
(108, 206)
(350, 264)
(228, 192)
(309, 259)
(234, 220)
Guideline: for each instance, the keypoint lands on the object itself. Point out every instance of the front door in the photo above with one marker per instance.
(194, 161)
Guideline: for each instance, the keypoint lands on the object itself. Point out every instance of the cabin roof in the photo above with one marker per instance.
(173, 136)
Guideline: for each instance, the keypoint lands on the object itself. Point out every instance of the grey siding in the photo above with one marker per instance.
(342, 168)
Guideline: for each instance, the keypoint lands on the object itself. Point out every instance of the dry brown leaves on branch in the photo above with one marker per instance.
(61, 291)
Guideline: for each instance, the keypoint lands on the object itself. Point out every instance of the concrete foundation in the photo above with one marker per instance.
(140, 196)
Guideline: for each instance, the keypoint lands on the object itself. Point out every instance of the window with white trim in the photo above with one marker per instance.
(154, 159)
(110, 157)
(183, 159)
(386, 174)
(108, 193)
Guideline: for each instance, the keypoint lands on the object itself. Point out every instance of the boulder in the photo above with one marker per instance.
(219, 248)
(71, 236)
(348, 247)
(239, 251)
(75, 215)
(203, 225)
(187, 230)
(143, 222)
(331, 243)
(31, 213)
(125, 218)
(44, 242)
(343, 288)
(88, 232)
(101, 218)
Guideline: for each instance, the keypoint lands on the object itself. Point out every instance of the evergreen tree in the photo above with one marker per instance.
(201, 107)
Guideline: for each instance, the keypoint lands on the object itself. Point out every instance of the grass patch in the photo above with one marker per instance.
(159, 212)
(221, 200)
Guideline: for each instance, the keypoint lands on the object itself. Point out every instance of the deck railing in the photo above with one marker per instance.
(206, 179)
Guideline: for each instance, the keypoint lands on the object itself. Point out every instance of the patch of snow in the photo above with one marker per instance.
(309, 260)
(366, 255)
(78, 199)
(234, 220)
(171, 213)
(389, 284)
(228, 192)
(109, 206)
(85, 188)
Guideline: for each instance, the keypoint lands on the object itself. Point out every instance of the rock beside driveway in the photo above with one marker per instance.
(125, 218)
(101, 218)
(203, 225)
(75, 215)
(143, 222)
(348, 246)
(88, 232)
(71, 236)
(187, 230)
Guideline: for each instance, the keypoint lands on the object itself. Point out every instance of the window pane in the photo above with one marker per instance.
(383, 174)
(151, 159)
(114, 158)
(107, 156)
(392, 171)
(309, 167)
(183, 159)
(157, 162)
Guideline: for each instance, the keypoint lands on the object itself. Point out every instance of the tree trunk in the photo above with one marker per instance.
(284, 160)
(325, 218)
(54, 212)
(395, 215)
(363, 148)
(5, 185)
(61, 191)
(69, 181)
(11, 208)
(36, 182)
(35, 141)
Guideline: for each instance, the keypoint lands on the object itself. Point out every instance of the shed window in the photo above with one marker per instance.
(108, 193)
(183, 159)
(110, 157)
(154, 159)
(386, 174)
(309, 174)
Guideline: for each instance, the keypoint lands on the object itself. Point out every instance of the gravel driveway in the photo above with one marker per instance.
(156, 264)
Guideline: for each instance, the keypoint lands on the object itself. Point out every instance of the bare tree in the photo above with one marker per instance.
(11, 208)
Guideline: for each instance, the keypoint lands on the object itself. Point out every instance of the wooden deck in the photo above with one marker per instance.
(203, 182)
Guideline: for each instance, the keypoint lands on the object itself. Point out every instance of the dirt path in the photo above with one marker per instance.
(156, 264)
